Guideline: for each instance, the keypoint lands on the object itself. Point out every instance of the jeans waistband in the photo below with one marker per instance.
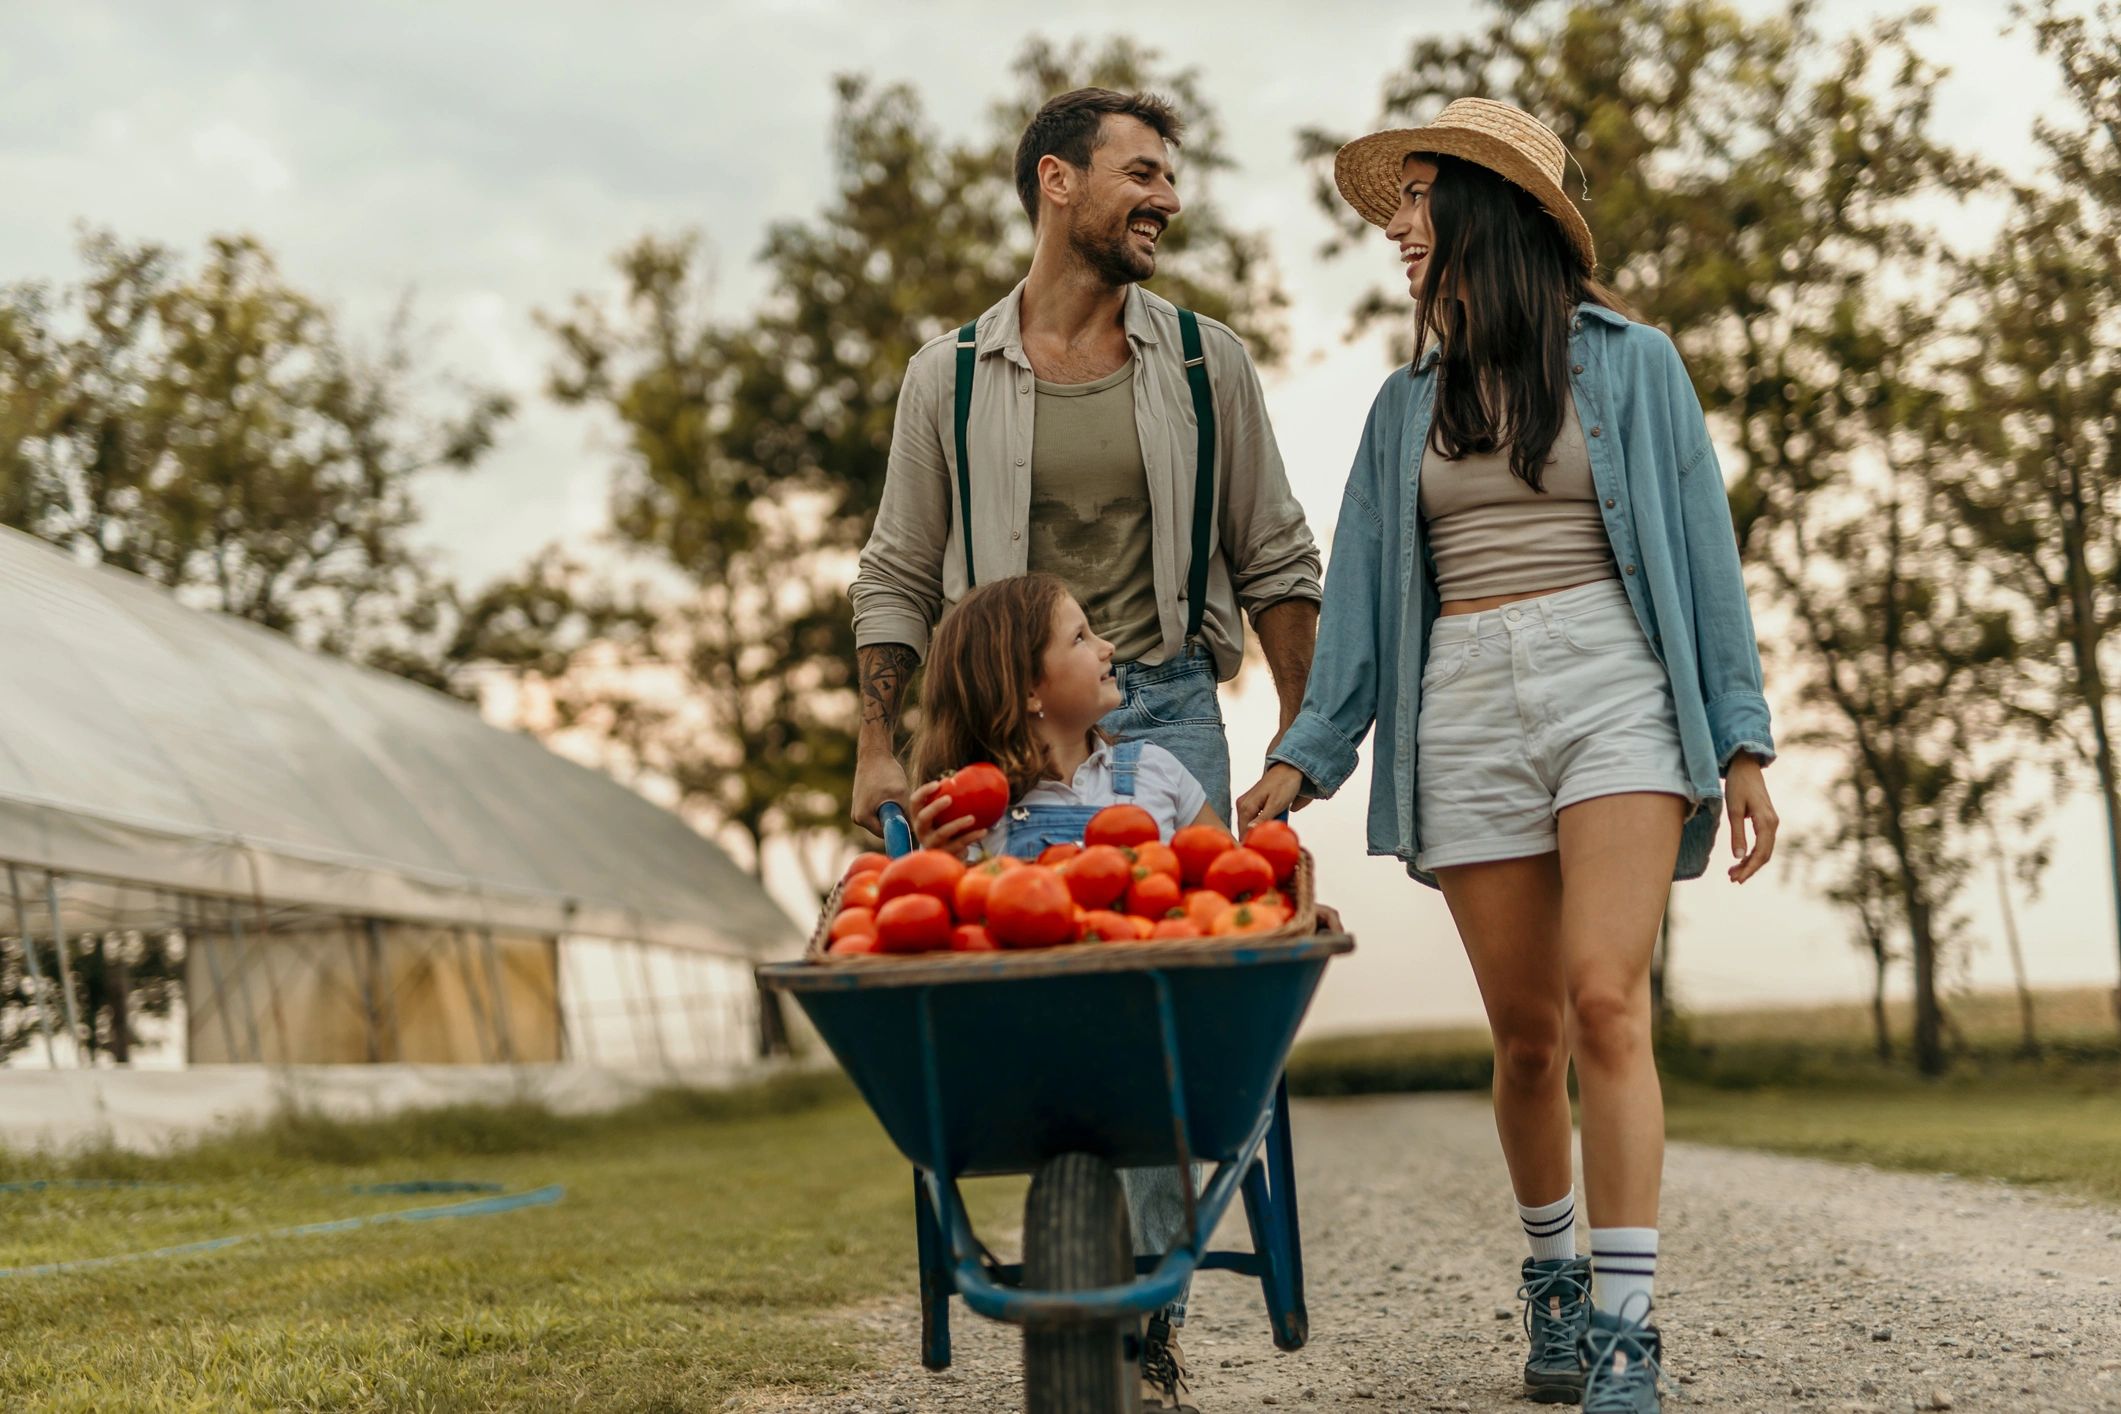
(1190, 659)
(1546, 609)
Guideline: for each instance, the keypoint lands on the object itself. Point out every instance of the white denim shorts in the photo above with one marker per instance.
(1534, 707)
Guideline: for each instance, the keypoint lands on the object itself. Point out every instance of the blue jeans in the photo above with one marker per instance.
(1173, 704)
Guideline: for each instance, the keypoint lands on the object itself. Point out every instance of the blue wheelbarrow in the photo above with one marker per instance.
(1048, 1064)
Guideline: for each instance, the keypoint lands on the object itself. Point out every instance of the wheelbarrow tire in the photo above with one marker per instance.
(1077, 1237)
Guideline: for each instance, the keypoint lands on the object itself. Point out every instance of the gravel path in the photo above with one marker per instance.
(1788, 1284)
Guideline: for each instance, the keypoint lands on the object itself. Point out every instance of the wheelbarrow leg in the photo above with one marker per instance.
(935, 1279)
(1270, 1208)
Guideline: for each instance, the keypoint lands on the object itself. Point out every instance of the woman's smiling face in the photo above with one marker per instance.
(1409, 228)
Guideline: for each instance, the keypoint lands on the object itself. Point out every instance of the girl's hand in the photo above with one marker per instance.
(936, 828)
(1281, 788)
(1745, 796)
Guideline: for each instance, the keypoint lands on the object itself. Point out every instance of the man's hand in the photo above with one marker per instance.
(1281, 788)
(878, 777)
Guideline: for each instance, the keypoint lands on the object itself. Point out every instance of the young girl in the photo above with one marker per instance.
(1535, 595)
(1015, 676)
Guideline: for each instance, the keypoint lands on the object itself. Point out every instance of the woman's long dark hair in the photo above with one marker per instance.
(1501, 286)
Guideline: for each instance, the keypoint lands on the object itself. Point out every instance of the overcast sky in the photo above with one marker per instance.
(489, 158)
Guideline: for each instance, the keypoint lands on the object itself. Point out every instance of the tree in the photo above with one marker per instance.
(1750, 186)
(753, 453)
(216, 434)
(2039, 386)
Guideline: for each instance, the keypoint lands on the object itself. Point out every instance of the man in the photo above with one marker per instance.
(1081, 444)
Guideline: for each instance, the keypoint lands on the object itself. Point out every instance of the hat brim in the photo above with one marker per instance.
(1367, 171)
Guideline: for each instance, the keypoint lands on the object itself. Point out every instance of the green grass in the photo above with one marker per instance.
(1809, 1081)
(702, 1244)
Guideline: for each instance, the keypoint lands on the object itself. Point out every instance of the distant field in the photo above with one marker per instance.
(1809, 1081)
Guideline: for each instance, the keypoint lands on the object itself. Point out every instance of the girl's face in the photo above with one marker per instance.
(1076, 684)
(1410, 229)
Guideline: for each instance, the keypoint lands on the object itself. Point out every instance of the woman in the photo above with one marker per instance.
(1535, 593)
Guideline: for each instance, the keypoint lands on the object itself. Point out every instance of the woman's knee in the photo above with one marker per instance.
(1610, 1023)
(1529, 1054)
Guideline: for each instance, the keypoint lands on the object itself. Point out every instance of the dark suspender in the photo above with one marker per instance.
(1203, 467)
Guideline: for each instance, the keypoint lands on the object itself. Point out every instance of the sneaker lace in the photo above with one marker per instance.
(1604, 1391)
(1162, 1363)
(1543, 1325)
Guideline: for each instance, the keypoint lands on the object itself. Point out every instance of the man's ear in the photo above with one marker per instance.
(1058, 180)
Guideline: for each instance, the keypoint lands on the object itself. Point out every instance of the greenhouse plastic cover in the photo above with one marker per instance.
(146, 746)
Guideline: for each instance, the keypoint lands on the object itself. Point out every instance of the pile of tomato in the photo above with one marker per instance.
(1121, 884)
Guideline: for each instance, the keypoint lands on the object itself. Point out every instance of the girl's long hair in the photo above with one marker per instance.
(983, 664)
(1501, 286)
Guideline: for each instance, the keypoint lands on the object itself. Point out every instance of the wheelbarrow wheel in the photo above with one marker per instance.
(1076, 1237)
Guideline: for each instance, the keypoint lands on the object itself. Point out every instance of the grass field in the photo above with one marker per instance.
(1809, 1081)
(700, 1241)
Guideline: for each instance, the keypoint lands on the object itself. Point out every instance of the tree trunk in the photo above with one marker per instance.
(1660, 965)
(121, 986)
(1878, 1022)
(2029, 1045)
(1929, 1019)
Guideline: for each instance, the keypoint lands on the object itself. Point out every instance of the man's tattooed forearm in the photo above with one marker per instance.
(885, 669)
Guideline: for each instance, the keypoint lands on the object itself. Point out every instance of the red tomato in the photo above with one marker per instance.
(1239, 874)
(972, 886)
(1180, 927)
(1275, 842)
(853, 945)
(925, 871)
(860, 892)
(979, 790)
(870, 863)
(854, 920)
(971, 937)
(1197, 847)
(1203, 906)
(1055, 855)
(1156, 857)
(1241, 918)
(1030, 908)
(1153, 897)
(1121, 825)
(1102, 925)
(912, 923)
(1098, 876)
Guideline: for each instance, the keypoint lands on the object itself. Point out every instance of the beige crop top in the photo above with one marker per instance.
(1492, 534)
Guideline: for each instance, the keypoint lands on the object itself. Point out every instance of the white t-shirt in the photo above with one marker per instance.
(1162, 786)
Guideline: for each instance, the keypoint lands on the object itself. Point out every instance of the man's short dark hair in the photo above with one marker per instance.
(1068, 127)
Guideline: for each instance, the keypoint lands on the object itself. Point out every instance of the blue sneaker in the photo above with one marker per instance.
(1621, 1359)
(1557, 1306)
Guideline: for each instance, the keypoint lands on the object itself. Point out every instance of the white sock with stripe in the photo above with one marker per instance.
(1623, 1266)
(1551, 1228)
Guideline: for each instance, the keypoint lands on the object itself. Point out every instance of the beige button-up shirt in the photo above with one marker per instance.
(914, 564)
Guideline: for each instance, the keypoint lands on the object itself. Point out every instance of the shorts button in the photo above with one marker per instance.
(1631, 569)
(1512, 616)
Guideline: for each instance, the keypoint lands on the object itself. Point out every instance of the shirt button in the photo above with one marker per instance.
(1608, 500)
(1020, 462)
(1631, 569)
(1575, 368)
(1597, 431)
(1018, 535)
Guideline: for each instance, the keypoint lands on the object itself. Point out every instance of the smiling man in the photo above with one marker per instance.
(1088, 428)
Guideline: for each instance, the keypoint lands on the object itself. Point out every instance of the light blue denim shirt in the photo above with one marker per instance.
(1668, 518)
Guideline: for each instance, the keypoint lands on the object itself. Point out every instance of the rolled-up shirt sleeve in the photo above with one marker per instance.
(1266, 541)
(898, 589)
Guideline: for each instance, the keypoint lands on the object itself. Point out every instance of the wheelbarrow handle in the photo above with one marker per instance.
(898, 830)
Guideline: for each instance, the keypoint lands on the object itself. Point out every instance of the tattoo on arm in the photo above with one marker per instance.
(885, 669)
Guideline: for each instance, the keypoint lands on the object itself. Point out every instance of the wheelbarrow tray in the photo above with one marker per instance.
(990, 1065)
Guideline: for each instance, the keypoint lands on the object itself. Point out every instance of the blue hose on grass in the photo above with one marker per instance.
(472, 1208)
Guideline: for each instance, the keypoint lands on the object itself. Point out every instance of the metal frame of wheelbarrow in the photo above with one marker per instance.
(952, 1258)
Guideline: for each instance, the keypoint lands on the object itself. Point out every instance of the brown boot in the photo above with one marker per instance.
(1163, 1371)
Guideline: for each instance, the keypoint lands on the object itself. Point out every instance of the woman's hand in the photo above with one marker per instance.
(1745, 796)
(935, 828)
(1281, 788)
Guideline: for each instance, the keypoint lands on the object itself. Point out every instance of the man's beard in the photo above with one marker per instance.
(1113, 255)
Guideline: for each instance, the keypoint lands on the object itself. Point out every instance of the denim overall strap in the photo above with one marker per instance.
(1126, 757)
(1033, 827)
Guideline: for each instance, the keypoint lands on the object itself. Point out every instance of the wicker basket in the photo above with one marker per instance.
(1303, 921)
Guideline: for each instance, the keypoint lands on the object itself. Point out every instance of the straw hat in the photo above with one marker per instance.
(1503, 139)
